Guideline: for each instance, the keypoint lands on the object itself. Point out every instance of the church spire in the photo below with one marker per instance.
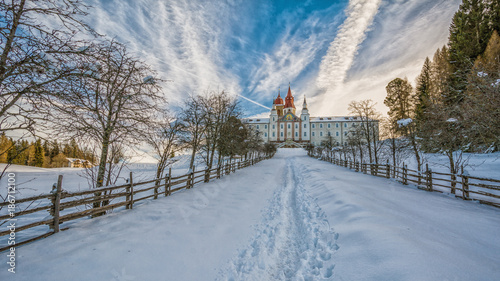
(304, 105)
(289, 99)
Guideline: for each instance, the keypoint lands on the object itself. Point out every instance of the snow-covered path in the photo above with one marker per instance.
(288, 218)
(294, 241)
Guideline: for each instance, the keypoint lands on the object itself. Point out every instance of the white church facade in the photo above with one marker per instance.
(285, 128)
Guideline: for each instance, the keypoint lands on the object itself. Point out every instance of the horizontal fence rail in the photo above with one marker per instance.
(44, 214)
(484, 190)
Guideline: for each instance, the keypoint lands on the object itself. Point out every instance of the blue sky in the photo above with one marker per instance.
(331, 51)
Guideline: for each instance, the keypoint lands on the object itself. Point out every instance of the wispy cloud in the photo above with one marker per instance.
(333, 53)
(340, 56)
(181, 39)
(401, 35)
(296, 51)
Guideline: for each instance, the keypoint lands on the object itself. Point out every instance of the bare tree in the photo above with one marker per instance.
(218, 109)
(164, 139)
(193, 121)
(365, 110)
(113, 101)
(36, 54)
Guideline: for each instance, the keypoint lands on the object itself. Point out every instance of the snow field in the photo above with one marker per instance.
(288, 218)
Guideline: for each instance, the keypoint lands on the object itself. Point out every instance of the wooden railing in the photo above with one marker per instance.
(63, 206)
(463, 185)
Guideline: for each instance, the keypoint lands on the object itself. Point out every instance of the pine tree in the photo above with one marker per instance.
(440, 76)
(423, 91)
(5, 145)
(55, 150)
(469, 32)
(401, 102)
(494, 14)
(39, 154)
(46, 148)
(482, 106)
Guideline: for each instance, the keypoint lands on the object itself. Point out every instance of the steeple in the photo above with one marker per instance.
(304, 105)
(289, 99)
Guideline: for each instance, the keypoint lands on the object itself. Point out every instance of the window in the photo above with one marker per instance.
(320, 134)
(296, 126)
(345, 125)
(274, 127)
(296, 134)
(314, 126)
(337, 134)
(281, 126)
(281, 134)
(265, 126)
(329, 134)
(321, 125)
(304, 126)
(329, 125)
(258, 127)
(305, 134)
(274, 134)
(313, 134)
(289, 126)
(336, 125)
(265, 135)
(345, 133)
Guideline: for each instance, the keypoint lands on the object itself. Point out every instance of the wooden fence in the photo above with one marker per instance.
(463, 185)
(63, 206)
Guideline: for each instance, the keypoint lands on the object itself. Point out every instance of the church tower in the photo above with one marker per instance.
(289, 104)
(279, 104)
(304, 116)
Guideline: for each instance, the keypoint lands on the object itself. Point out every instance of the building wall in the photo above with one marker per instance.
(315, 131)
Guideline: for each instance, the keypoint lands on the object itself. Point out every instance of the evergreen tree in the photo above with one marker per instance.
(5, 145)
(55, 150)
(469, 32)
(39, 154)
(46, 148)
(401, 102)
(482, 107)
(440, 76)
(423, 91)
(494, 14)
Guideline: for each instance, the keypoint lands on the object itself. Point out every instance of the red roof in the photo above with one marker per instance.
(289, 99)
(278, 100)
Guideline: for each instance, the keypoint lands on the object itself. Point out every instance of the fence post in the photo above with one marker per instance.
(218, 170)
(168, 180)
(465, 184)
(191, 178)
(157, 185)
(428, 178)
(388, 171)
(130, 191)
(56, 203)
(405, 174)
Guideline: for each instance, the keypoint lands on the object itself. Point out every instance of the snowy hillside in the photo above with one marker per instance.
(288, 218)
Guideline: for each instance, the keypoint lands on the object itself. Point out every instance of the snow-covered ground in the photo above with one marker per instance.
(288, 218)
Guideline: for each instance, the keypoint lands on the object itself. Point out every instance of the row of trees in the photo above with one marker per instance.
(34, 153)
(455, 106)
(59, 77)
